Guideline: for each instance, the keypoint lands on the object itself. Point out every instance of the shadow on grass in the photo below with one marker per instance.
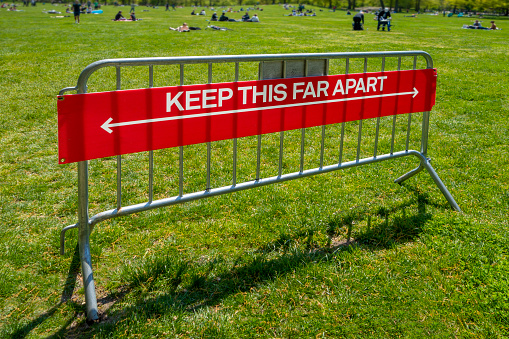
(203, 289)
(67, 292)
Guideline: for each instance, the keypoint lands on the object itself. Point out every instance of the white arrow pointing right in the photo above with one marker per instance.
(108, 125)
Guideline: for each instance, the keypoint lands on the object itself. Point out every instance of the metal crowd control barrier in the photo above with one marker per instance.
(270, 67)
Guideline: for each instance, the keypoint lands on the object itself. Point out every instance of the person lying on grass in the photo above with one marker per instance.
(183, 28)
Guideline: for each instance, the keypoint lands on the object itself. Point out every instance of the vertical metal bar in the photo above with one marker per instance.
(359, 136)
(407, 142)
(181, 74)
(281, 136)
(150, 153)
(119, 182)
(378, 120)
(151, 76)
(425, 131)
(393, 135)
(302, 144)
(347, 66)
(119, 157)
(181, 148)
(303, 130)
(208, 165)
(208, 143)
(234, 179)
(117, 69)
(322, 146)
(259, 137)
(258, 156)
(281, 144)
(341, 143)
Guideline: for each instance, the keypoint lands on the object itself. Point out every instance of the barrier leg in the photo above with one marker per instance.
(84, 243)
(441, 185)
(424, 163)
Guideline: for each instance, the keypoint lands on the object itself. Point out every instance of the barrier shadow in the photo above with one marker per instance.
(67, 292)
(388, 226)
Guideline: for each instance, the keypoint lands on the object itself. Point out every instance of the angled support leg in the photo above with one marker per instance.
(440, 185)
(409, 174)
(425, 163)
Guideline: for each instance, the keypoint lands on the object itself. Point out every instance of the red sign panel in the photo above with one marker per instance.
(98, 125)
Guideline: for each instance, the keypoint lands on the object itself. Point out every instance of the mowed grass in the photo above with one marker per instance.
(270, 262)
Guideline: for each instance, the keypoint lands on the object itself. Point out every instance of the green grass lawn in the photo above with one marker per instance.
(264, 262)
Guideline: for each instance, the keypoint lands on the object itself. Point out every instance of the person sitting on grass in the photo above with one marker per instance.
(255, 18)
(183, 28)
(202, 12)
(477, 25)
(214, 17)
(245, 17)
(493, 26)
(133, 17)
(119, 16)
(223, 17)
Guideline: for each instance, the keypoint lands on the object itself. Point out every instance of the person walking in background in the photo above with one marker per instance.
(132, 7)
(76, 8)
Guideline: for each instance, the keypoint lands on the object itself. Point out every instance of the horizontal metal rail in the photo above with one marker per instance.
(81, 87)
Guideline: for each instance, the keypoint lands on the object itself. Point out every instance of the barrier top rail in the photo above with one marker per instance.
(87, 71)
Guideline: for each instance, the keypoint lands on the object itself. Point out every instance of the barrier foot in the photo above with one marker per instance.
(441, 185)
(409, 174)
(88, 277)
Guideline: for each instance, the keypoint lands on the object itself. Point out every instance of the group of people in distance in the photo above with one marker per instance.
(383, 17)
(120, 17)
(202, 12)
(245, 17)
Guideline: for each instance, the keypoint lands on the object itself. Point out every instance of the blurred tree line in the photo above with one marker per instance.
(500, 7)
